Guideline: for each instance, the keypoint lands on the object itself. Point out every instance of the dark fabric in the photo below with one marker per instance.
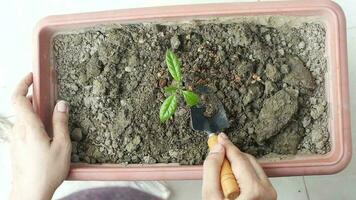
(111, 193)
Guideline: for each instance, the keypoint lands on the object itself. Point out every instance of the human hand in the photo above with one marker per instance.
(253, 182)
(39, 163)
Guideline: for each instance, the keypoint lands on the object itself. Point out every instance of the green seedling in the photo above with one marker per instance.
(176, 89)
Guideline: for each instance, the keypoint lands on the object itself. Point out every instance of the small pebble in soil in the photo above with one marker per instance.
(123, 102)
(244, 70)
(169, 133)
(98, 88)
(128, 69)
(306, 121)
(284, 69)
(130, 147)
(173, 153)
(242, 90)
(77, 135)
(272, 72)
(313, 100)
(301, 45)
(316, 111)
(268, 37)
(317, 138)
(175, 42)
(223, 83)
(281, 51)
(136, 140)
(270, 87)
(149, 160)
(107, 142)
(254, 91)
(235, 96)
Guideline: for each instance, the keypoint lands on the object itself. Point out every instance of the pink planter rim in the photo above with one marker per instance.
(44, 91)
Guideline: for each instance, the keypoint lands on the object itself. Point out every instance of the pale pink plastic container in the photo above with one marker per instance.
(337, 84)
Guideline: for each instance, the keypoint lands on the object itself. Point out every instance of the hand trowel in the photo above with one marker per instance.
(212, 125)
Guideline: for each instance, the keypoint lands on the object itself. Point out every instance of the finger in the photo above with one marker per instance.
(259, 170)
(211, 173)
(20, 102)
(23, 107)
(22, 87)
(60, 124)
(240, 164)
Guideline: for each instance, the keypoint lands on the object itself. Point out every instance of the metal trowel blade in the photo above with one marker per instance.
(214, 124)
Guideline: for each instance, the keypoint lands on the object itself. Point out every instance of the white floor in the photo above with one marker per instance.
(17, 19)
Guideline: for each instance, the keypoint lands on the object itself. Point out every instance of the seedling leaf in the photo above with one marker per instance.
(168, 108)
(174, 65)
(190, 98)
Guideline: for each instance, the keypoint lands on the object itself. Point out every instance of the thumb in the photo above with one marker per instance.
(211, 173)
(60, 124)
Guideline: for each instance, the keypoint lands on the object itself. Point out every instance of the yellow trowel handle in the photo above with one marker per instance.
(228, 181)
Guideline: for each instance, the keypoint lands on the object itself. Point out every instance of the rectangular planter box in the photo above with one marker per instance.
(336, 82)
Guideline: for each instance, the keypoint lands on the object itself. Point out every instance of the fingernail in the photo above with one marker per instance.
(223, 136)
(62, 106)
(217, 148)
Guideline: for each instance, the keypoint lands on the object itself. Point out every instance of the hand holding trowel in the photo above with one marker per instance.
(212, 124)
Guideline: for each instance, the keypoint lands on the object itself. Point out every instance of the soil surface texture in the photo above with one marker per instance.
(269, 77)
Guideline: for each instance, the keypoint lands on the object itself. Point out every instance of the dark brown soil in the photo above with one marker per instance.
(270, 79)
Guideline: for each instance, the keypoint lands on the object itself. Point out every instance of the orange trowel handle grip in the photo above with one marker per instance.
(228, 181)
